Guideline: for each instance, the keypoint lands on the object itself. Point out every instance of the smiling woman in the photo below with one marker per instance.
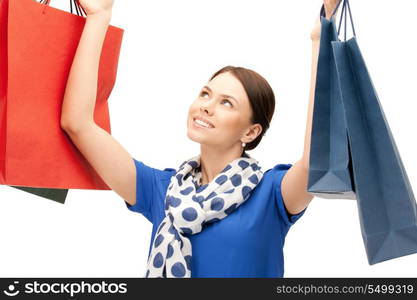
(241, 212)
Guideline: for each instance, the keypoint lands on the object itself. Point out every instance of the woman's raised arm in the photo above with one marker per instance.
(110, 160)
(295, 181)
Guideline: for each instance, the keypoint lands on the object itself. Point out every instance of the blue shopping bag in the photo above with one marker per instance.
(386, 203)
(330, 169)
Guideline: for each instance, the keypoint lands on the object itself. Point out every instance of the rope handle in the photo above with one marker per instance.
(343, 14)
(78, 8)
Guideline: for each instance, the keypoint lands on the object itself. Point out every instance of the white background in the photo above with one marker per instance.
(169, 51)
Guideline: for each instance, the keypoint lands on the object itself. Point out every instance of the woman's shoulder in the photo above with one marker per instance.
(277, 168)
(273, 175)
(159, 173)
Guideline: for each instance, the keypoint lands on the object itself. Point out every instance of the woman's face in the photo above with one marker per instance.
(223, 103)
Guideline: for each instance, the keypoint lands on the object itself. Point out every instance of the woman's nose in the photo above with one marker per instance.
(207, 106)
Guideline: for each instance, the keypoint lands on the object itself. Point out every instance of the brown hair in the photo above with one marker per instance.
(261, 98)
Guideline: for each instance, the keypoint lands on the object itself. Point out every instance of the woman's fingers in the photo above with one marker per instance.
(95, 6)
(329, 6)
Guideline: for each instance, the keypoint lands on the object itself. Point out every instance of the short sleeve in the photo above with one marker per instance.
(151, 185)
(279, 172)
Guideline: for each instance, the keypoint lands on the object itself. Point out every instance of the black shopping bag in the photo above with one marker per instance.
(58, 195)
(386, 203)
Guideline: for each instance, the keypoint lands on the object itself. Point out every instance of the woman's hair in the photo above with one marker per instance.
(261, 98)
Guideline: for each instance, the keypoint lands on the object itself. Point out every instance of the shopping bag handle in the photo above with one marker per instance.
(345, 4)
(79, 9)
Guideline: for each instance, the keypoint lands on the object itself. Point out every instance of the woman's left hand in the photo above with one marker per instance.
(329, 6)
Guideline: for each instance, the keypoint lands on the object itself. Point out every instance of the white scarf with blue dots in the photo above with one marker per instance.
(188, 206)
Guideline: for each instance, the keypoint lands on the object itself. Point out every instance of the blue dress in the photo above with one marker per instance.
(247, 243)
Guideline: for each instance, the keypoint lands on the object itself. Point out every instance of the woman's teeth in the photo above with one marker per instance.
(202, 123)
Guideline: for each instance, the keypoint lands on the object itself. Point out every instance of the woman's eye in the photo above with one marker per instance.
(205, 93)
(228, 101)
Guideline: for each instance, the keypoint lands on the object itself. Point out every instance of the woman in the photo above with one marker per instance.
(218, 214)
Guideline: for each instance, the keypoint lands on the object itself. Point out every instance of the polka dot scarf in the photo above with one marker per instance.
(189, 206)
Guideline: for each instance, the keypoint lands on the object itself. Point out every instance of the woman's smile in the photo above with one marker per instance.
(201, 124)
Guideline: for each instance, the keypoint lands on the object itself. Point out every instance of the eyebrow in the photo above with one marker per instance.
(222, 95)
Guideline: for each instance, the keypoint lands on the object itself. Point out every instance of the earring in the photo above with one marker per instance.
(243, 145)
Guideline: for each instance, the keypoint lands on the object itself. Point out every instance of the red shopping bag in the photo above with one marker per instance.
(37, 46)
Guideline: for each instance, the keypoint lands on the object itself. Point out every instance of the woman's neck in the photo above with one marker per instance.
(213, 161)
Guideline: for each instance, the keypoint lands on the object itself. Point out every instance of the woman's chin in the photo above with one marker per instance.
(197, 137)
(193, 136)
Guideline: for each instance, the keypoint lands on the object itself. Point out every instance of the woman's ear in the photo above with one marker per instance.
(252, 133)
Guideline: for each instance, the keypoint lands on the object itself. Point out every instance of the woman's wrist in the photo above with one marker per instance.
(103, 15)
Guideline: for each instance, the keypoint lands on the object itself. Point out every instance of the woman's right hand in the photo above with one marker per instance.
(329, 6)
(92, 7)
